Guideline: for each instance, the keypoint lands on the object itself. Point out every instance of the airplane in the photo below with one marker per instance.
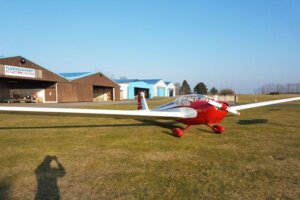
(193, 109)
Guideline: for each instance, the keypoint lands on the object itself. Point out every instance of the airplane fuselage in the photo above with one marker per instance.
(206, 114)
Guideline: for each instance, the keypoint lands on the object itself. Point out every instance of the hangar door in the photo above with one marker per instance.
(20, 90)
(50, 93)
(160, 92)
(103, 93)
(171, 93)
(138, 90)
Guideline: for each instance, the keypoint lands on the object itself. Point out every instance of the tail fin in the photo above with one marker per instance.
(141, 102)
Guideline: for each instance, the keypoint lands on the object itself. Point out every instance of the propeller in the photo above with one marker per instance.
(223, 106)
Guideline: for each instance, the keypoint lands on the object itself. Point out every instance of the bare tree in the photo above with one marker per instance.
(177, 88)
(289, 88)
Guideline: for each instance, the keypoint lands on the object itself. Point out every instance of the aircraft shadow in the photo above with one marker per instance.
(207, 130)
(263, 121)
(168, 125)
(69, 126)
(252, 121)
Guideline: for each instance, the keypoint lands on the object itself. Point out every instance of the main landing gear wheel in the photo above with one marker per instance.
(178, 132)
(216, 128)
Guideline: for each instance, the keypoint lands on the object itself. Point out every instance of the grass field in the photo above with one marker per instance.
(258, 156)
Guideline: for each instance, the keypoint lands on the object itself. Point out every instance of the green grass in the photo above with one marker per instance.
(258, 156)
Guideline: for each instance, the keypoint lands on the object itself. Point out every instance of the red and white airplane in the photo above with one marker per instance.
(190, 110)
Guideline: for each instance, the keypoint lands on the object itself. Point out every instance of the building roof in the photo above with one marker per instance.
(16, 61)
(125, 80)
(75, 75)
(167, 82)
(151, 81)
(148, 81)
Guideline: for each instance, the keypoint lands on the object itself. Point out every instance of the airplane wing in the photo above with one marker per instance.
(175, 113)
(266, 103)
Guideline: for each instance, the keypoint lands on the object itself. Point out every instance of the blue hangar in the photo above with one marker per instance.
(159, 87)
(131, 87)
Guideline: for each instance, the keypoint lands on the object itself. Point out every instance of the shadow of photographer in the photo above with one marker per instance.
(5, 183)
(47, 175)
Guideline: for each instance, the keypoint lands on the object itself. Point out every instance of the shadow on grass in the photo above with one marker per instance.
(5, 188)
(46, 176)
(263, 121)
(252, 121)
(207, 131)
(290, 105)
(169, 133)
(68, 126)
(168, 125)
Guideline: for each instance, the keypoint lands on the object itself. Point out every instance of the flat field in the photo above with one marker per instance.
(257, 157)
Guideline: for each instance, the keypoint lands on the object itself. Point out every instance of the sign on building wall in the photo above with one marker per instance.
(19, 71)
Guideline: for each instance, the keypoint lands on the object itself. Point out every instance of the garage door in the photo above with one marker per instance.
(103, 93)
(50, 94)
(171, 93)
(160, 92)
(138, 90)
(21, 89)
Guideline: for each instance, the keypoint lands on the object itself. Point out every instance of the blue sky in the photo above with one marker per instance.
(235, 44)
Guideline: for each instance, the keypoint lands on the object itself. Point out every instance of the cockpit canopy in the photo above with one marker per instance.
(187, 100)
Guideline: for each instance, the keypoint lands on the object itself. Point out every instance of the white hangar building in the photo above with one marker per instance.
(170, 91)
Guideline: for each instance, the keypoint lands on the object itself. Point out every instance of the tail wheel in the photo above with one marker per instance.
(178, 132)
(218, 129)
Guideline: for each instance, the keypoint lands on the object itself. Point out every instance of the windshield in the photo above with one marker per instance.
(189, 99)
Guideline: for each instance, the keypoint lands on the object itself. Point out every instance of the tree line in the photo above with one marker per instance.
(200, 88)
(272, 88)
